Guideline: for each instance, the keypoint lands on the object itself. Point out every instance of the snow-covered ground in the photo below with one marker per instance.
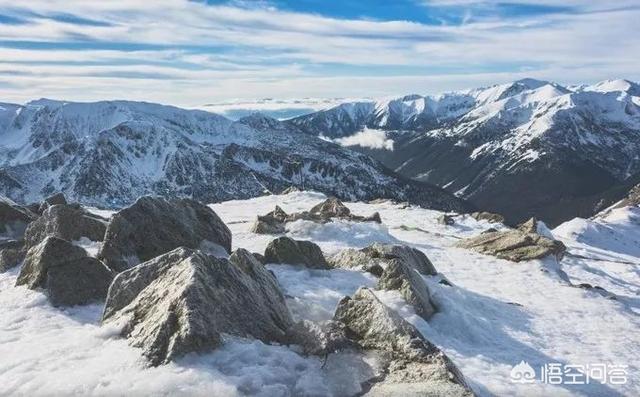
(496, 314)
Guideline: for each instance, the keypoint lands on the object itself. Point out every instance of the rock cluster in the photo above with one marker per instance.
(274, 222)
(521, 244)
(488, 216)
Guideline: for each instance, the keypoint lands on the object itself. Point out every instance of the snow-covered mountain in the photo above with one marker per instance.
(110, 153)
(554, 148)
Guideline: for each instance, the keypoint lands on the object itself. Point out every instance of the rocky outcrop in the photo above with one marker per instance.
(376, 257)
(446, 220)
(295, 252)
(271, 223)
(183, 301)
(12, 253)
(401, 277)
(65, 271)
(488, 216)
(65, 221)
(153, 226)
(56, 199)
(274, 222)
(14, 219)
(515, 245)
(413, 365)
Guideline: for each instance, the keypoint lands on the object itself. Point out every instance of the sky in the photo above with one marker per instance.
(194, 53)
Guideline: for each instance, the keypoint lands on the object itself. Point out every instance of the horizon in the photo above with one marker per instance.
(213, 51)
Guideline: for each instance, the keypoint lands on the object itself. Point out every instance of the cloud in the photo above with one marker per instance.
(368, 138)
(190, 53)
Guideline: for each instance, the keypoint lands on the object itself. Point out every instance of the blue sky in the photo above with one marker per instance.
(190, 53)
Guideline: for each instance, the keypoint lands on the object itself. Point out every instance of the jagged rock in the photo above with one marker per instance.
(414, 366)
(530, 226)
(352, 258)
(295, 252)
(259, 257)
(56, 199)
(488, 216)
(445, 219)
(320, 338)
(489, 230)
(271, 223)
(376, 257)
(182, 302)
(399, 276)
(153, 226)
(66, 221)
(78, 282)
(514, 245)
(12, 253)
(290, 189)
(14, 219)
(331, 208)
(66, 272)
(49, 253)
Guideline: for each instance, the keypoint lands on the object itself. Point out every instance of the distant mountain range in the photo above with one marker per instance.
(109, 153)
(525, 148)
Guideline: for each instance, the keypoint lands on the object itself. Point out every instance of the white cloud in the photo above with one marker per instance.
(368, 138)
(189, 53)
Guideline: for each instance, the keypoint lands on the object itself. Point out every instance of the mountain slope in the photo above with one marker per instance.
(109, 153)
(526, 148)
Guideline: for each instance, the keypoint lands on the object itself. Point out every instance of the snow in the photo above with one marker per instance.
(496, 314)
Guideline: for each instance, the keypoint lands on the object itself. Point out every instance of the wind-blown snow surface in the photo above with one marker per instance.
(496, 314)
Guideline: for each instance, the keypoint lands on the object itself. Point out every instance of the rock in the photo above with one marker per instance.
(514, 245)
(14, 219)
(351, 258)
(56, 199)
(376, 257)
(414, 366)
(259, 257)
(320, 338)
(489, 230)
(153, 226)
(331, 208)
(488, 216)
(12, 253)
(290, 189)
(271, 223)
(49, 253)
(65, 221)
(183, 301)
(530, 226)
(78, 282)
(399, 276)
(445, 219)
(295, 252)
(66, 272)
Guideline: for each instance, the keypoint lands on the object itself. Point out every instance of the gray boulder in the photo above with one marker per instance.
(446, 220)
(488, 216)
(56, 199)
(271, 223)
(405, 279)
(376, 257)
(514, 245)
(66, 272)
(183, 301)
(14, 219)
(153, 226)
(295, 252)
(413, 365)
(12, 253)
(65, 221)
